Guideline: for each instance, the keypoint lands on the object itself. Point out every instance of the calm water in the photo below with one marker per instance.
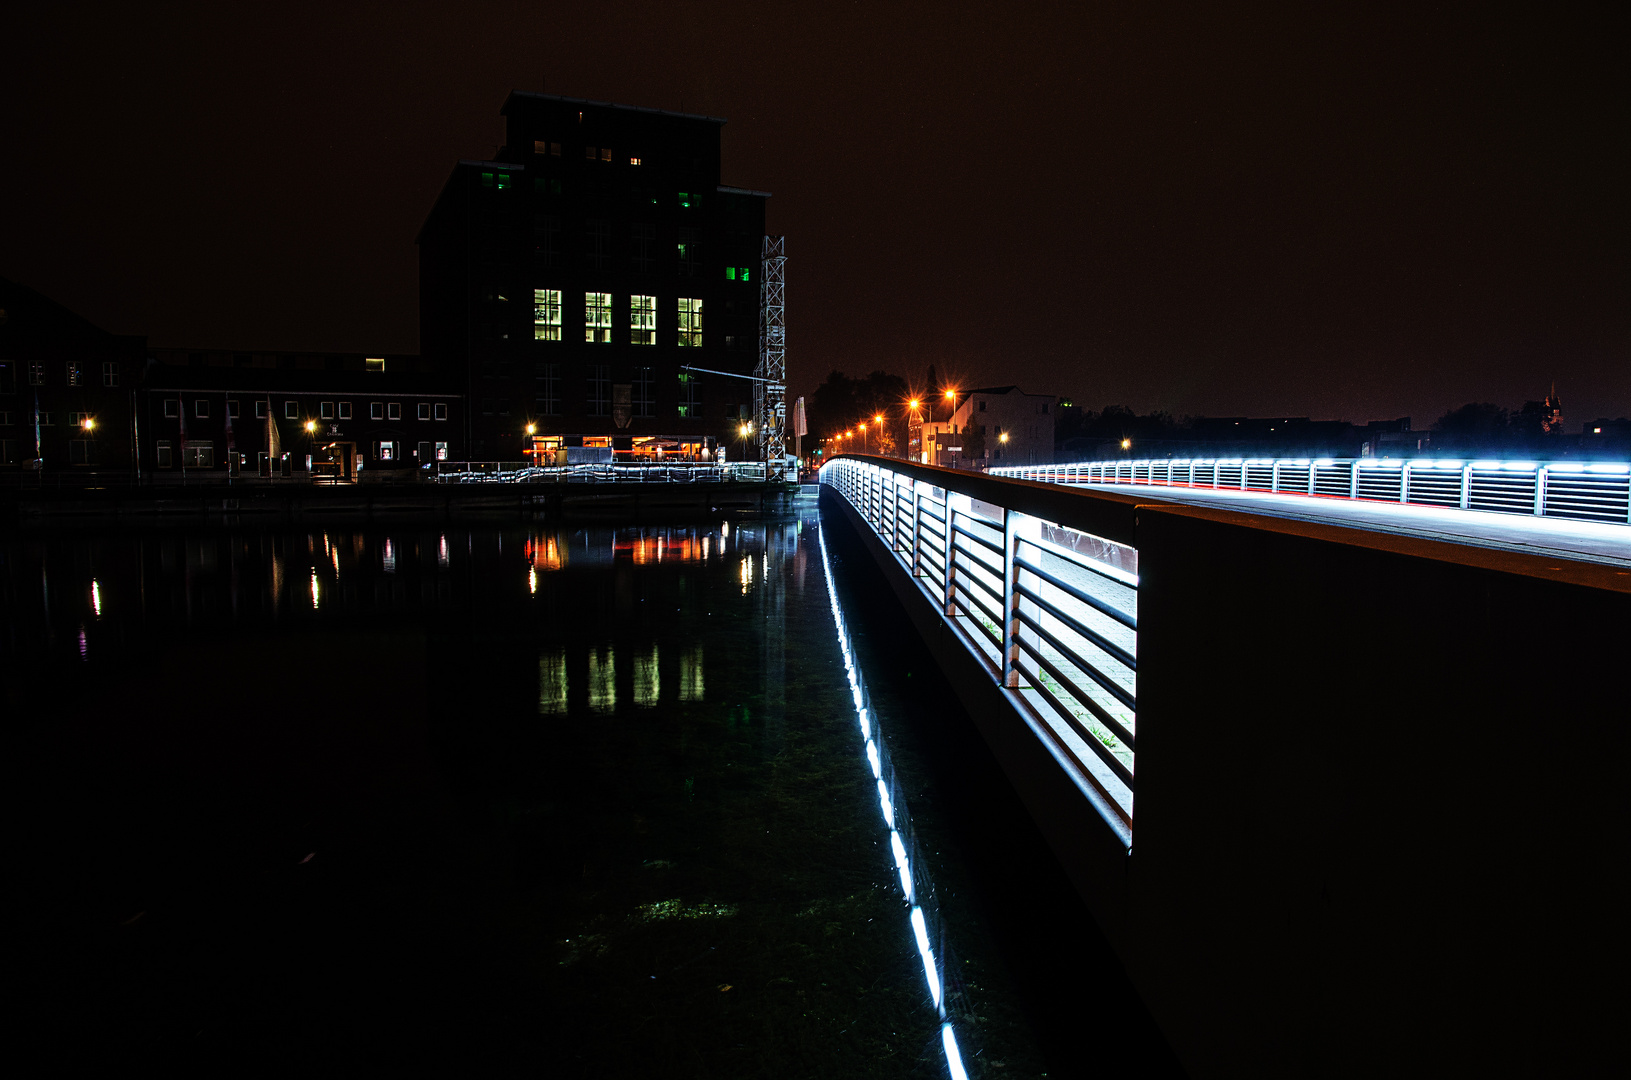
(585, 801)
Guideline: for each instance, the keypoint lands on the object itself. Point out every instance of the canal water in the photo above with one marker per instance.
(590, 801)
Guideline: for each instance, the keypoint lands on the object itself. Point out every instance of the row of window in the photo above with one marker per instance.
(377, 410)
(597, 318)
(47, 418)
(200, 453)
(77, 373)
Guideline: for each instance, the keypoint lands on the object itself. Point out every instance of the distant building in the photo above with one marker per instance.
(345, 415)
(564, 283)
(1393, 438)
(992, 425)
(66, 388)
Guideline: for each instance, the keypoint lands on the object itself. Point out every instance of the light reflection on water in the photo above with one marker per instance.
(676, 770)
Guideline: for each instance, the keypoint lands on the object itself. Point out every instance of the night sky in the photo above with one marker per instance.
(1259, 210)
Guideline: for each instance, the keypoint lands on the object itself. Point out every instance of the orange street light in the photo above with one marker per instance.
(311, 426)
(88, 424)
(1126, 444)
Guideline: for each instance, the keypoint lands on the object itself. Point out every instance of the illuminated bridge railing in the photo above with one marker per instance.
(1594, 491)
(1046, 606)
(521, 472)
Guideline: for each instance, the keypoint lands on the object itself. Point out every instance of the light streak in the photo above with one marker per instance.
(895, 820)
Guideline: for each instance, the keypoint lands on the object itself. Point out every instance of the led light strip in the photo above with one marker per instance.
(894, 816)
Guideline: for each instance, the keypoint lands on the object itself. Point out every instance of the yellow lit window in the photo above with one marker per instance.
(642, 320)
(597, 316)
(546, 314)
(690, 325)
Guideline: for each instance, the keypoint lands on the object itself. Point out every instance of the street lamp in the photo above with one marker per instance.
(1126, 444)
(88, 424)
(952, 394)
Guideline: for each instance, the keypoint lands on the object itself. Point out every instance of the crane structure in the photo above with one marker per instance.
(770, 376)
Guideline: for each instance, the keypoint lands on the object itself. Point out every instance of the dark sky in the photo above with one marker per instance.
(1235, 209)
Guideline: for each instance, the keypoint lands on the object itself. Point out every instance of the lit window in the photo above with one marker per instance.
(375, 363)
(503, 180)
(486, 179)
(291, 410)
(736, 273)
(600, 390)
(110, 374)
(644, 401)
(326, 410)
(441, 413)
(605, 154)
(546, 314)
(424, 410)
(589, 153)
(690, 321)
(394, 410)
(685, 200)
(345, 410)
(634, 161)
(597, 316)
(642, 320)
(76, 373)
(376, 410)
(441, 451)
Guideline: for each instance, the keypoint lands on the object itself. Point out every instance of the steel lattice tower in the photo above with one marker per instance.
(770, 395)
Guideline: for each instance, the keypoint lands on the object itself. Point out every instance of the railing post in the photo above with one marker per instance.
(917, 529)
(1540, 491)
(1466, 486)
(1404, 483)
(1010, 599)
(951, 561)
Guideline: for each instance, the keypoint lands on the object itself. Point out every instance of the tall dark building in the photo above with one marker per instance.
(566, 282)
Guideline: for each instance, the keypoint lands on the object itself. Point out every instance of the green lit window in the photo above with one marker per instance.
(486, 179)
(686, 200)
(642, 320)
(736, 273)
(690, 395)
(503, 180)
(597, 317)
(690, 321)
(546, 314)
(730, 273)
(742, 273)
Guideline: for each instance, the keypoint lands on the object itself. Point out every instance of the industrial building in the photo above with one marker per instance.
(568, 283)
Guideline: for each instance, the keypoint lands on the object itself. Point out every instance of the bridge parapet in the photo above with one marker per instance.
(1581, 491)
(1379, 775)
(1047, 606)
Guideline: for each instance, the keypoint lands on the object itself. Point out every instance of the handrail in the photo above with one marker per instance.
(1582, 491)
(599, 472)
(1052, 626)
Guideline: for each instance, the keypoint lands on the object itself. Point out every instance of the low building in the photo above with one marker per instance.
(281, 414)
(66, 389)
(993, 425)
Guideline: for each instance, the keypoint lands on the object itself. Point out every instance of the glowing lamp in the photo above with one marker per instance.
(88, 424)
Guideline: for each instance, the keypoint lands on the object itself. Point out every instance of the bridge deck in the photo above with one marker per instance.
(1587, 541)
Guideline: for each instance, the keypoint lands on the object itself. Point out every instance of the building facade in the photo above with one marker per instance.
(992, 425)
(346, 416)
(566, 285)
(66, 389)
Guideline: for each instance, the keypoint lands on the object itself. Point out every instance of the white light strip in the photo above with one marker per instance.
(894, 818)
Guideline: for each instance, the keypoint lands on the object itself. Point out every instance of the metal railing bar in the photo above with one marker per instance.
(1116, 652)
(1115, 764)
(990, 545)
(1109, 685)
(1102, 606)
